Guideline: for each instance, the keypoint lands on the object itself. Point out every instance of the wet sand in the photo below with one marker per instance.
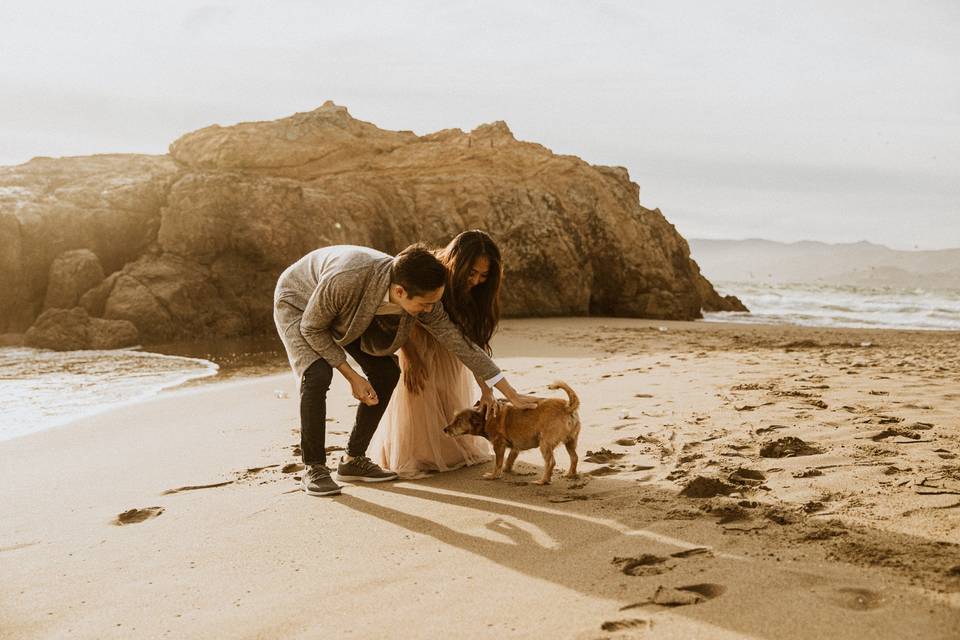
(736, 481)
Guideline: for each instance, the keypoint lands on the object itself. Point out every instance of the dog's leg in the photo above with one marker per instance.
(548, 464)
(571, 446)
(499, 447)
(508, 467)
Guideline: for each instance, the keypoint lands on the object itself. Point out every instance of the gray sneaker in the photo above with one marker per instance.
(363, 469)
(317, 481)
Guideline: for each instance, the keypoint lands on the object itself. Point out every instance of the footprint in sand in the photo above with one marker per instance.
(605, 470)
(704, 487)
(648, 564)
(770, 429)
(133, 516)
(681, 596)
(895, 432)
(620, 625)
(788, 447)
(689, 594)
(645, 564)
(747, 477)
(751, 407)
(854, 598)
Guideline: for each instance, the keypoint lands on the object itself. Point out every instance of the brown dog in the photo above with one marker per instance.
(552, 422)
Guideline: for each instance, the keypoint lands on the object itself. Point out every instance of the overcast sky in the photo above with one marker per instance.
(834, 121)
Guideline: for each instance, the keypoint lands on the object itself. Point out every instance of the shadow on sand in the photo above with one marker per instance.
(643, 547)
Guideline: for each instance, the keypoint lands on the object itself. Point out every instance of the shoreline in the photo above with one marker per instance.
(854, 539)
(239, 359)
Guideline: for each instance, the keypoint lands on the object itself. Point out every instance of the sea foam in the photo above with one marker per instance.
(820, 305)
(40, 389)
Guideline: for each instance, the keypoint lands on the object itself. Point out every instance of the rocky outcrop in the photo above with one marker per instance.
(72, 274)
(169, 297)
(201, 235)
(69, 329)
(12, 339)
(107, 204)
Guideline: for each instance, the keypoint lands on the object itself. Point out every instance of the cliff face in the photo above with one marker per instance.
(191, 243)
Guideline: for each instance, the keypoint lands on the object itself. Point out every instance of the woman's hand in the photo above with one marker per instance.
(519, 400)
(488, 403)
(523, 401)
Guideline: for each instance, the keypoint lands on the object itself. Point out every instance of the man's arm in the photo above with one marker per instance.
(323, 307)
(473, 357)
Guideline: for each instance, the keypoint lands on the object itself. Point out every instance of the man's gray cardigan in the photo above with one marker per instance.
(329, 298)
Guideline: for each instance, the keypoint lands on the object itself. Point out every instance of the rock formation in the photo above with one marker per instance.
(192, 242)
(69, 329)
(72, 274)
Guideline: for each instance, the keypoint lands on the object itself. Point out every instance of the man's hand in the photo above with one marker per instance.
(363, 390)
(488, 403)
(415, 377)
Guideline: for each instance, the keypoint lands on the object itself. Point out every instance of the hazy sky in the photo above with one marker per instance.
(834, 121)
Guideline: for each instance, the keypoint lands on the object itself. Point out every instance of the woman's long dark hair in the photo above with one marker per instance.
(476, 311)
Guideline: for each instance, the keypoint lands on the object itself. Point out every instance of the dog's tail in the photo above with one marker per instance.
(574, 402)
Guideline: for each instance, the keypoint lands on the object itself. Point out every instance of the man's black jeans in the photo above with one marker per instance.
(383, 372)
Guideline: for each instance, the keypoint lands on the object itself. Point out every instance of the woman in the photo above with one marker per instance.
(410, 440)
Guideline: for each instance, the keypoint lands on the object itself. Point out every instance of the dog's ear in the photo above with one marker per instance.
(478, 423)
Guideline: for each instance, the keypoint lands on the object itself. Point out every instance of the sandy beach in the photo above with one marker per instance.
(736, 482)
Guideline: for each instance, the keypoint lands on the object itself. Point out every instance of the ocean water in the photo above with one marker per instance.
(819, 305)
(40, 389)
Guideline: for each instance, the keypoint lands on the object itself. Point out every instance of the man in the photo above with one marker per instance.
(346, 299)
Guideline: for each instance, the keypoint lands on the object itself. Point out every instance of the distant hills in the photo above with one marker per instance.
(857, 264)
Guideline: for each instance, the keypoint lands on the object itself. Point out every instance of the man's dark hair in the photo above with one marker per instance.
(418, 271)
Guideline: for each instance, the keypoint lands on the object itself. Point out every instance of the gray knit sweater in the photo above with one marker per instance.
(329, 298)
